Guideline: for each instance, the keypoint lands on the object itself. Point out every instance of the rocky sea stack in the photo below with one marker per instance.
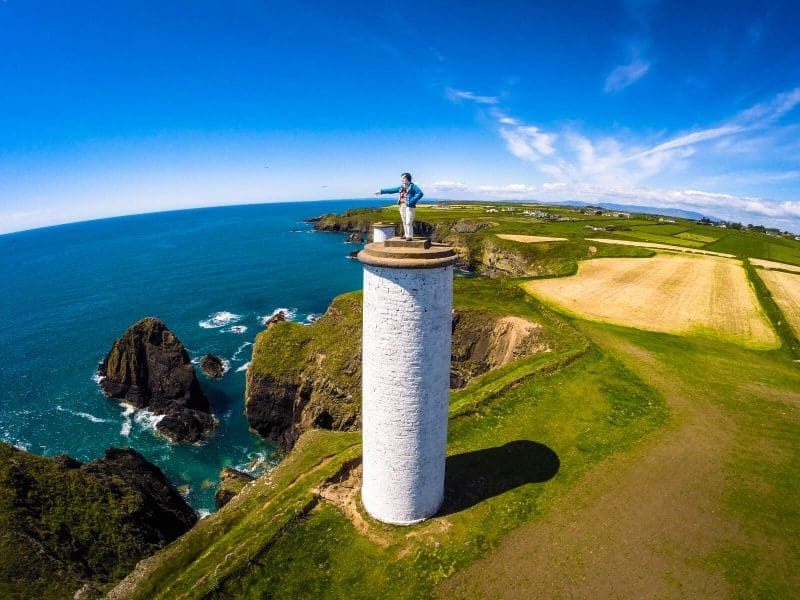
(148, 367)
(212, 366)
(67, 525)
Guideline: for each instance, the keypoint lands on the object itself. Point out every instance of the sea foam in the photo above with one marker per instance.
(244, 367)
(143, 417)
(289, 313)
(219, 319)
(83, 415)
(239, 350)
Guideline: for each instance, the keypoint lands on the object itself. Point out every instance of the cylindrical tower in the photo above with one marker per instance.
(382, 231)
(408, 300)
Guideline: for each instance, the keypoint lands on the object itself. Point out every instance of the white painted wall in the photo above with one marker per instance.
(406, 390)
(381, 233)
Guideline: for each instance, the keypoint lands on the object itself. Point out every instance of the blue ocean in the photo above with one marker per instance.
(212, 275)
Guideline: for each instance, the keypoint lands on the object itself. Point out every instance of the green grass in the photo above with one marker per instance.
(753, 391)
(583, 412)
(662, 229)
(758, 245)
(696, 237)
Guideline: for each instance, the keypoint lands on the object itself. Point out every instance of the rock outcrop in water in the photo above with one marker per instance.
(212, 366)
(148, 367)
(301, 377)
(231, 482)
(65, 525)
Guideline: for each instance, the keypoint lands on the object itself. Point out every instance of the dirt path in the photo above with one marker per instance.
(638, 526)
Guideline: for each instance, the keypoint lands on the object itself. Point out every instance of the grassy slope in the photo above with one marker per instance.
(574, 406)
(759, 393)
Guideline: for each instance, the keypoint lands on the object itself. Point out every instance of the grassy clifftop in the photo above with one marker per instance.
(519, 436)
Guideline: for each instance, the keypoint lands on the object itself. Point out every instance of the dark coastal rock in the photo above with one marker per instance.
(353, 254)
(71, 526)
(231, 482)
(276, 318)
(149, 368)
(356, 237)
(465, 226)
(212, 366)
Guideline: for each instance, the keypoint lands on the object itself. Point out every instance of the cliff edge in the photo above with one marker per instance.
(303, 377)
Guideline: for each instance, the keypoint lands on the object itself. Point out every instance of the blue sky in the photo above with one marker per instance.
(110, 107)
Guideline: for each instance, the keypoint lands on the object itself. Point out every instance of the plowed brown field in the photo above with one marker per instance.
(669, 293)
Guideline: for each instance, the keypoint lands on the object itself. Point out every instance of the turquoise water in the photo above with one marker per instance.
(69, 291)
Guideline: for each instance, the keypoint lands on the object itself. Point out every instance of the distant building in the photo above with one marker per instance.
(491, 210)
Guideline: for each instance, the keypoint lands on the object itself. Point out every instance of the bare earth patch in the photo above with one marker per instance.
(659, 246)
(785, 289)
(771, 264)
(529, 239)
(668, 293)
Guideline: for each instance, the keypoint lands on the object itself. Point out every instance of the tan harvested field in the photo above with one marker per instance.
(529, 239)
(771, 264)
(658, 246)
(785, 289)
(669, 293)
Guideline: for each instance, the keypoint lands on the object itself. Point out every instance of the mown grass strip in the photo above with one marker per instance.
(788, 337)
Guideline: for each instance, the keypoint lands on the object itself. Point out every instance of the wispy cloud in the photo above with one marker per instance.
(625, 75)
(504, 191)
(448, 186)
(635, 169)
(456, 95)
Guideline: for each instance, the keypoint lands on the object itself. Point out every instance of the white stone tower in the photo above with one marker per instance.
(408, 300)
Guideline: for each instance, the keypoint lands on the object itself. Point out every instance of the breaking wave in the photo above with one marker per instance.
(219, 319)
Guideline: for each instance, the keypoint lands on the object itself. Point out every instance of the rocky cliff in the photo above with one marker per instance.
(65, 525)
(302, 377)
(148, 367)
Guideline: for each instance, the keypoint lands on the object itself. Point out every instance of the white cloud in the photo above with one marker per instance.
(689, 139)
(512, 189)
(448, 186)
(456, 95)
(528, 142)
(625, 75)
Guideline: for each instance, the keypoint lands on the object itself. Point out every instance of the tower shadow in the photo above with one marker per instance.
(472, 477)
